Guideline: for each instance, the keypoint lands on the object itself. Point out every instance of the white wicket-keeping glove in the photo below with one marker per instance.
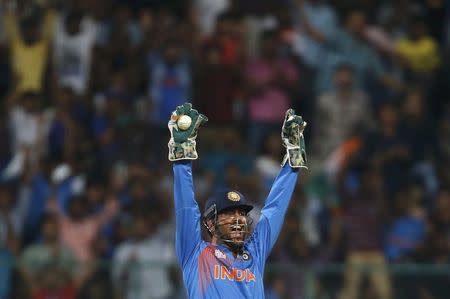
(293, 140)
(182, 144)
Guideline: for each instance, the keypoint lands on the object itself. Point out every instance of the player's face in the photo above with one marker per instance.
(233, 225)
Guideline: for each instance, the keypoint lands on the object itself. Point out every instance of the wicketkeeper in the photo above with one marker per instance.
(231, 265)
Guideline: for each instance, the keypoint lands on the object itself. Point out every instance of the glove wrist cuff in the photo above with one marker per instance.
(182, 151)
(296, 158)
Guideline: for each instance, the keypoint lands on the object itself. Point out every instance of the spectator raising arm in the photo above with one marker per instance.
(309, 29)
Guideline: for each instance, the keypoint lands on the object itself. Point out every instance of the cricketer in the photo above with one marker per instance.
(231, 264)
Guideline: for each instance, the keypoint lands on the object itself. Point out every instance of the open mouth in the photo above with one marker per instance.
(237, 231)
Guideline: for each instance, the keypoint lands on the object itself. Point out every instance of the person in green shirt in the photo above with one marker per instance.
(38, 257)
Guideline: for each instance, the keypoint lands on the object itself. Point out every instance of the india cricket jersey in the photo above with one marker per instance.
(211, 271)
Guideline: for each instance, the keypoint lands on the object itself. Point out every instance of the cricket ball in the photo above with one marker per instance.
(184, 122)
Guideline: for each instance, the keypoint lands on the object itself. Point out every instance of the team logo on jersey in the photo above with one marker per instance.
(233, 274)
(219, 254)
(245, 256)
(233, 196)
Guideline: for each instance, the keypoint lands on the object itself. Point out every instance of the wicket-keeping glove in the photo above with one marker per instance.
(182, 142)
(293, 141)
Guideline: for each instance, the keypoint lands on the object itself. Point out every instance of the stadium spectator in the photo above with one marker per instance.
(323, 18)
(362, 221)
(37, 258)
(387, 148)
(217, 87)
(269, 78)
(124, 30)
(228, 38)
(94, 280)
(29, 124)
(133, 274)
(340, 113)
(347, 46)
(207, 14)
(170, 80)
(406, 234)
(395, 16)
(78, 228)
(418, 49)
(75, 37)
(55, 283)
(292, 250)
(29, 39)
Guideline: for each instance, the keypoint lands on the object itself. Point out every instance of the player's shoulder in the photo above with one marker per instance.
(260, 233)
(201, 247)
(187, 258)
(204, 244)
(252, 241)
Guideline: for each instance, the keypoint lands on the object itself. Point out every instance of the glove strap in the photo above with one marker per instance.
(182, 151)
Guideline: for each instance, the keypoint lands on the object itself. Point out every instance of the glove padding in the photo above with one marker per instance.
(182, 144)
(293, 140)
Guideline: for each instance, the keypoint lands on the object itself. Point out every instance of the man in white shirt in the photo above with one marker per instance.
(29, 126)
(343, 112)
(207, 12)
(142, 266)
(75, 37)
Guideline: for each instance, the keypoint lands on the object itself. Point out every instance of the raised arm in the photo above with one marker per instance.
(277, 202)
(182, 149)
(187, 213)
(309, 29)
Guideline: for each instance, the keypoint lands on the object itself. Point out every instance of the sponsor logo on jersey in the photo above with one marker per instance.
(233, 196)
(219, 254)
(233, 274)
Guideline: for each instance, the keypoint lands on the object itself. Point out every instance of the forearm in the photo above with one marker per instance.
(187, 213)
(183, 185)
(309, 29)
(279, 198)
(313, 33)
(109, 211)
(280, 194)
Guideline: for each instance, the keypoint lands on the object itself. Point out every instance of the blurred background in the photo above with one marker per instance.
(86, 89)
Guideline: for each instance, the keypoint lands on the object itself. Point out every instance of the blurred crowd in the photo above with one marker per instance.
(86, 89)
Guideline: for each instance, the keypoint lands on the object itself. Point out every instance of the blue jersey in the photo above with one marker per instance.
(211, 270)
